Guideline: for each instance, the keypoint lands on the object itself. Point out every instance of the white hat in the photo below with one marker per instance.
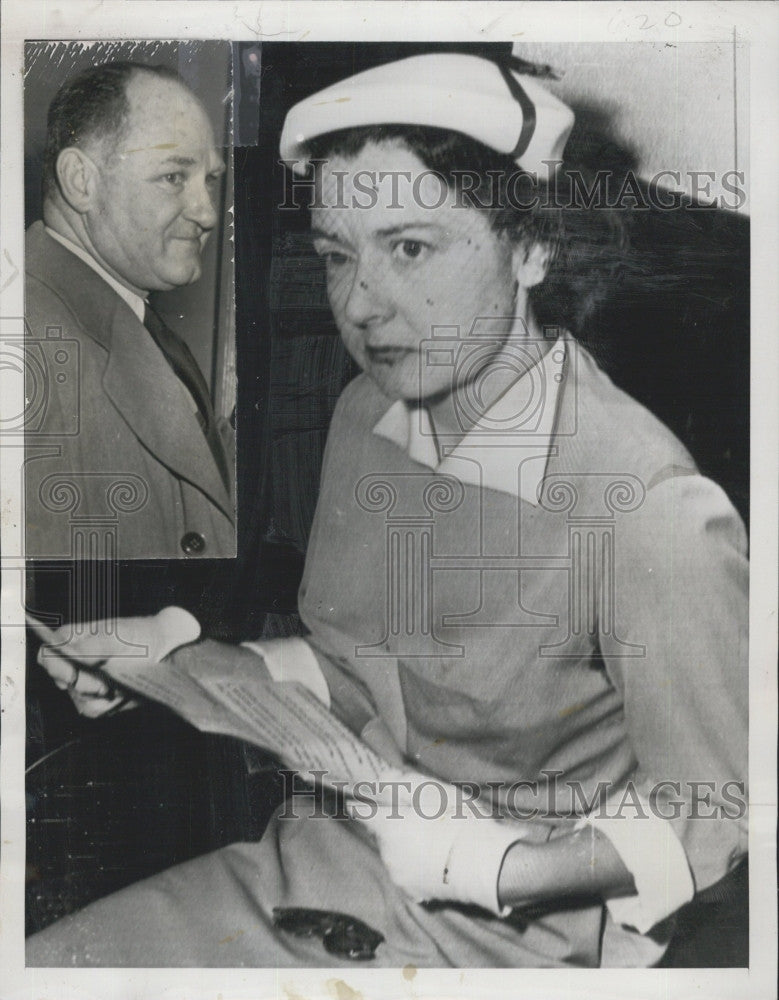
(507, 111)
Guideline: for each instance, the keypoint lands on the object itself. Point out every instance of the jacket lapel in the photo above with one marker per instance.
(137, 378)
(586, 434)
(153, 401)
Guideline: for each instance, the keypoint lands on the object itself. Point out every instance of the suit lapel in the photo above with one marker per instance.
(153, 401)
(137, 378)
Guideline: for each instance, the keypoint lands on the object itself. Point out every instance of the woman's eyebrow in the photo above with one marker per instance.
(404, 226)
(316, 233)
(321, 234)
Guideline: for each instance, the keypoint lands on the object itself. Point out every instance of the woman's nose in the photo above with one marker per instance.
(367, 300)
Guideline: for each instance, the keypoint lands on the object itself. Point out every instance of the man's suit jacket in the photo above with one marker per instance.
(116, 463)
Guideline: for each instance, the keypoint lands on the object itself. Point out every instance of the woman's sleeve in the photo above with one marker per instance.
(316, 660)
(299, 659)
(680, 596)
(293, 659)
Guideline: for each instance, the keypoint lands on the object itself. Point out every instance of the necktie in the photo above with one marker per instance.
(180, 359)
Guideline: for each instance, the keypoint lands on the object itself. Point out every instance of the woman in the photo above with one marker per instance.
(517, 581)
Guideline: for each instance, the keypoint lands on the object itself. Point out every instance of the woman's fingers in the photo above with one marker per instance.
(150, 637)
(88, 648)
(92, 707)
(89, 685)
(91, 694)
(62, 671)
(71, 655)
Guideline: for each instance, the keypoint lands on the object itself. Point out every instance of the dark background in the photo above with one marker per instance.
(114, 800)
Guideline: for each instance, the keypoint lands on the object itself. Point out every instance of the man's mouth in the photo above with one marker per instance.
(196, 240)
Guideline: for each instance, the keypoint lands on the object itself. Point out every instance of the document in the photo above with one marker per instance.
(283, 717)
(233, 697)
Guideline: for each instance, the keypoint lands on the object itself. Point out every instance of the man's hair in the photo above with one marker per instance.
(91, 106)
(586, 246)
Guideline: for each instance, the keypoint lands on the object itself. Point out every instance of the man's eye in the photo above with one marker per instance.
(175, 178)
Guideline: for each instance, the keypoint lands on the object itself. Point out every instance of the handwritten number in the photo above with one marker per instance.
(671, 20)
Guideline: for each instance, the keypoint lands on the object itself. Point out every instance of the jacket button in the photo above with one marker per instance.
(193, 543)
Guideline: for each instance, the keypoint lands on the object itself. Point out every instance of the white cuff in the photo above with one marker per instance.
(474, 862)
(654, 856)
(173, 627)
(292, 659)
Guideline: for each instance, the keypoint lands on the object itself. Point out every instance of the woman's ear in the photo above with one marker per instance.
(77, 176)
(531, 262)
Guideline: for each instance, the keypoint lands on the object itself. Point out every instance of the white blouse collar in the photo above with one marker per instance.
(508, 447)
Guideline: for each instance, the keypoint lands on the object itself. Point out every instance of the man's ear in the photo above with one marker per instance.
(531, 262)
(77, 175)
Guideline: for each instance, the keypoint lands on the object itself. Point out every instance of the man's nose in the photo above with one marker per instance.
(368, 299)
(200, 206)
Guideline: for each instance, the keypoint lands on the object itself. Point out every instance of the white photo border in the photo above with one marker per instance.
(753, 22)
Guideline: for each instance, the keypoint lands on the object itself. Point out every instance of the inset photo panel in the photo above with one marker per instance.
(129, 302)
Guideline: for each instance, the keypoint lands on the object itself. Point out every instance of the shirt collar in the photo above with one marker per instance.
(508, 447)
(134, 301)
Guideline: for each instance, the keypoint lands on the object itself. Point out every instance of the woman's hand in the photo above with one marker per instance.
(73, 657)
(437, 844)
(91, 692)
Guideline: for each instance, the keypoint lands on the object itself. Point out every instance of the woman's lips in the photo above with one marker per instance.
(387, 355)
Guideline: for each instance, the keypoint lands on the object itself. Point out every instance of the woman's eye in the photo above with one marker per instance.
(333, 258)
(409, 249)
(174, 179)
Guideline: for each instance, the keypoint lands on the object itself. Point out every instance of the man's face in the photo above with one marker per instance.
(398, 268)
(155, 189)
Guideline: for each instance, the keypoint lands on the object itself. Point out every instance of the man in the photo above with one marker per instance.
(125, 444)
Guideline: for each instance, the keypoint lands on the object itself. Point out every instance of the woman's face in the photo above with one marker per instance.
(396, 269)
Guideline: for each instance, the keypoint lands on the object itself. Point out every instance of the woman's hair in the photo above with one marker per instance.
(586, 244)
